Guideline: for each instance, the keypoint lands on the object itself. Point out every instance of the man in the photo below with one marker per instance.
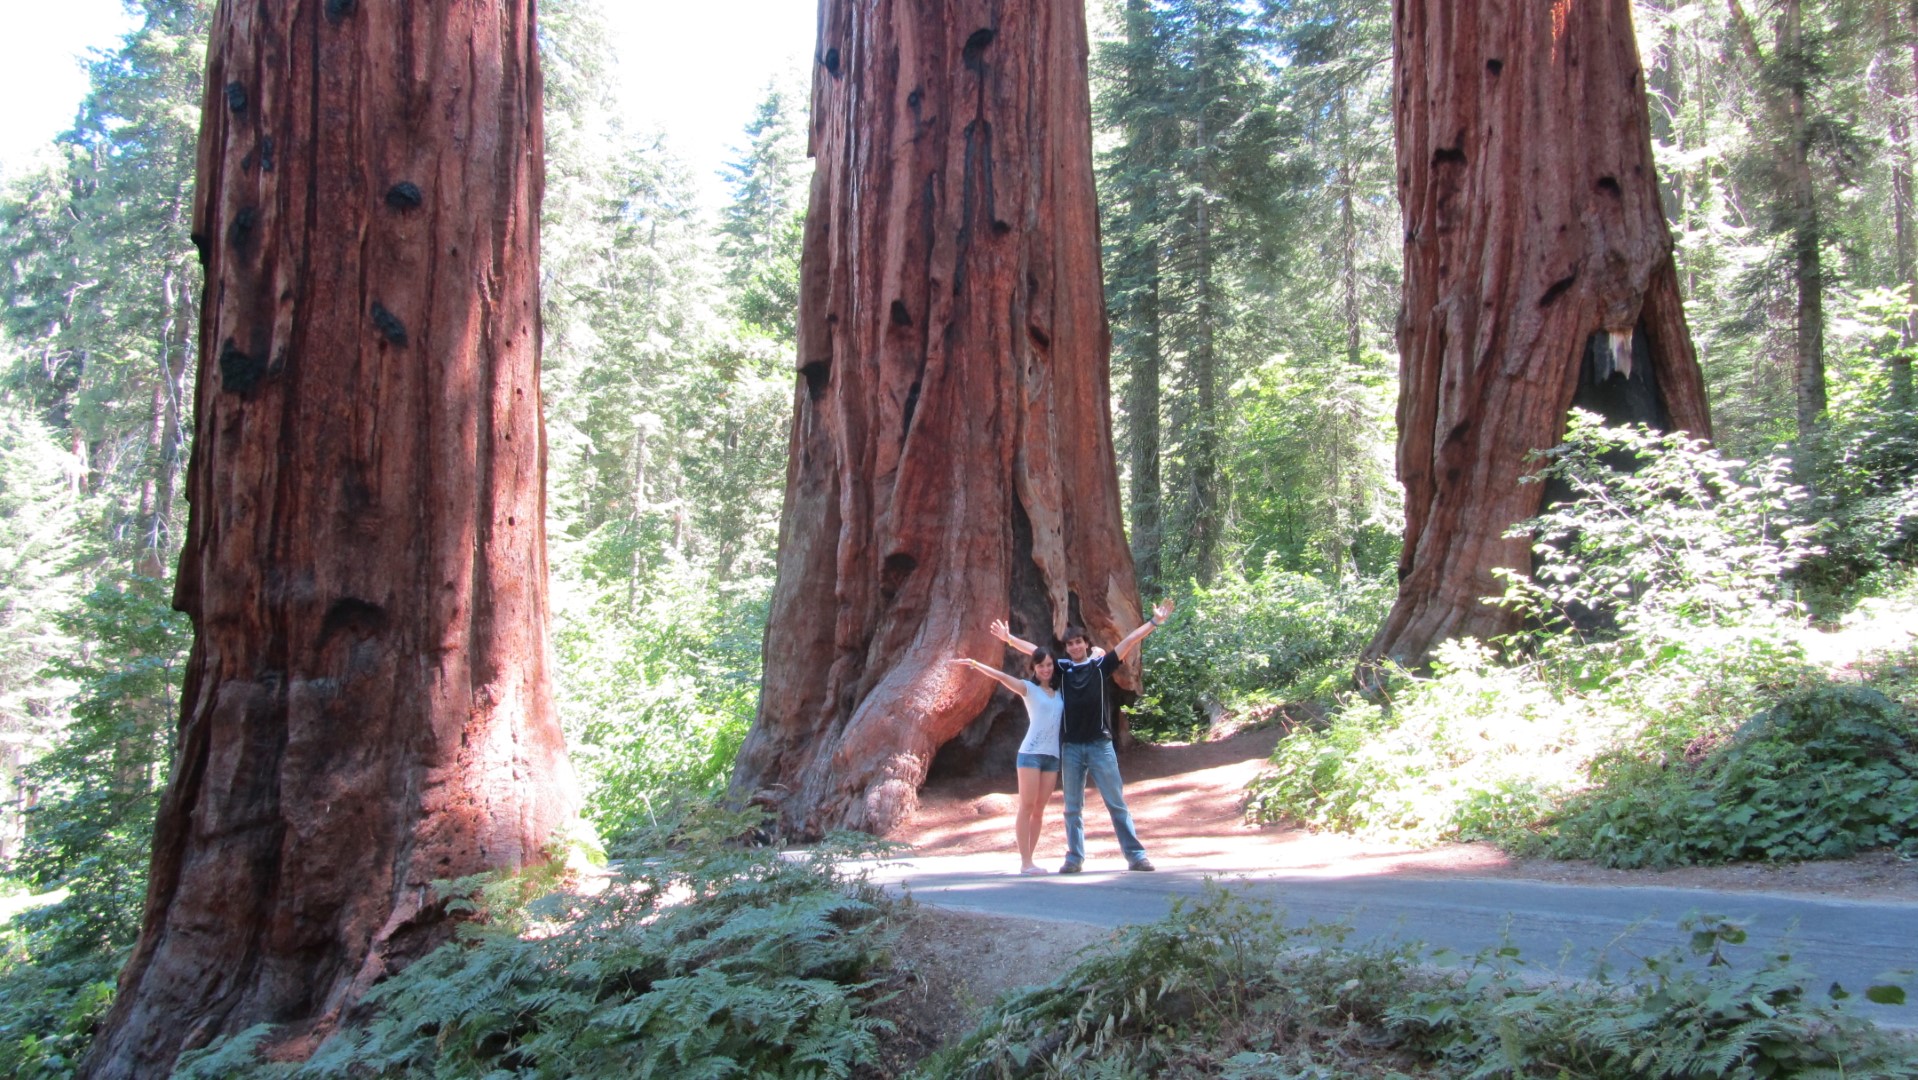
(1084, 678)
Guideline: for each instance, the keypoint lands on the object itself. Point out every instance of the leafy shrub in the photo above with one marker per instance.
(1866, 459)
(1660, 613)
(1823, 774)
(1247, 639)
(48, 1011)
(708, 961)
(91, 831)
(1474, 750)
(1220, 987)
(1663, 535)
(1182, 988)
(1692, 1018)
(656, 692)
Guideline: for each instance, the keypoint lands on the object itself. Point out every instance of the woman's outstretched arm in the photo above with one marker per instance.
(1017, 686)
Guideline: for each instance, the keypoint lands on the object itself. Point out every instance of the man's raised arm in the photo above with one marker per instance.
(1159, 615)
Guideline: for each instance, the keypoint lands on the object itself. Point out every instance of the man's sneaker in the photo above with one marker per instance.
(1071, 867)
(1142, 864)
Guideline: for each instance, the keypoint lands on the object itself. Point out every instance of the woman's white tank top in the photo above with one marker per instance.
(1044, 707)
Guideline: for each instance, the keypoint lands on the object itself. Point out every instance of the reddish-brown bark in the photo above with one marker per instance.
(367, 707)
(951, 450)
(1534, 240)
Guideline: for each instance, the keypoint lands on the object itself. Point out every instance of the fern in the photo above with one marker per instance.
(1221, 988)
(710, 961)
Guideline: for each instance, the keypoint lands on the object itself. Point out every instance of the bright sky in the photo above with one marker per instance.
(40, 75)
(696, 70)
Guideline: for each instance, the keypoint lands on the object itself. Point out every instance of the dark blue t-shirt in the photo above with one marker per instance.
(1085, 687)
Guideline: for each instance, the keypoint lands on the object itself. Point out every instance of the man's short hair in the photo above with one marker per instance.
(1074, 632)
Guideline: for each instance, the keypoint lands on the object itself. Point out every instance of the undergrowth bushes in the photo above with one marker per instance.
(1215, 975)
(1221, 988)
(1247, 641)
(1826, 773)
(656, 687)
(709, 960)
(50, 1008)
(1459, 755)
(1661, 709)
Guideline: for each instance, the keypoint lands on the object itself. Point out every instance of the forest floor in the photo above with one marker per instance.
(1187, 803)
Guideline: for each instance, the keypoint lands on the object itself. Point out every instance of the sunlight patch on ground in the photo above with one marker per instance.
(14, 905)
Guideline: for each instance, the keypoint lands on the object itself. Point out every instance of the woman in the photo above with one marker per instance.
(1038, 759)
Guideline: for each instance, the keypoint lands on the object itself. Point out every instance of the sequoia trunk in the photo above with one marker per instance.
(1538, 275)
(366, 708)
(951, 450)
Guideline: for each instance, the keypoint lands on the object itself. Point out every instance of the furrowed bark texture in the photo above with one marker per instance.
(951, 450)
(1538, 270)
(367, 706)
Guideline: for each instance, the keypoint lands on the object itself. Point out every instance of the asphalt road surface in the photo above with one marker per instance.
(1565, 929)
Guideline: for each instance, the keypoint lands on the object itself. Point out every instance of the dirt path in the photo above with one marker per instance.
(1186, 800)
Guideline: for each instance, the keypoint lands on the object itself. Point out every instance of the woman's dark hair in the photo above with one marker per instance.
(1043, 653)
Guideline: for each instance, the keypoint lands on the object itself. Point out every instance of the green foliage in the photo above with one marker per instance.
(655, 697)
(48, 1011)
(1690, 1016)
(91, 826)
(1467, 752)
(1823, 774)
(1660, 613)
(1313, 488)
(1660, 536)
(666, 404)
(709, 960)
(39, 513)
(761, 228)
(1252, 640)
(1221, 988)
(1866, 460)
(1891, 668)
(100, 279)
(1215, 975)
(1192, 188)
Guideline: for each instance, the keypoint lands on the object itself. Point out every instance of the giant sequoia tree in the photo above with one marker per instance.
(366, 707)
(1538, 274)
(951, 449)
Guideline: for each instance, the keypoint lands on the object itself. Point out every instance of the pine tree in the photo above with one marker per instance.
(1314, 445)
(39, 516)
(103, 296)
(1805, 148)
(102, 307)
(1135, 190)
(1194, 210)
(760, 228)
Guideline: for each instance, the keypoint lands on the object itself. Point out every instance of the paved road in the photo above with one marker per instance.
(1566, 928)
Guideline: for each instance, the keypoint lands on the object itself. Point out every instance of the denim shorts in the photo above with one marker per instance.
(1041, 762)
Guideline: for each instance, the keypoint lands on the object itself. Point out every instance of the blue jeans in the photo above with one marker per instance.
(1098, 759)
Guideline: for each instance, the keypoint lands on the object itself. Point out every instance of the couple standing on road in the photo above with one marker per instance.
(1068, 737)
